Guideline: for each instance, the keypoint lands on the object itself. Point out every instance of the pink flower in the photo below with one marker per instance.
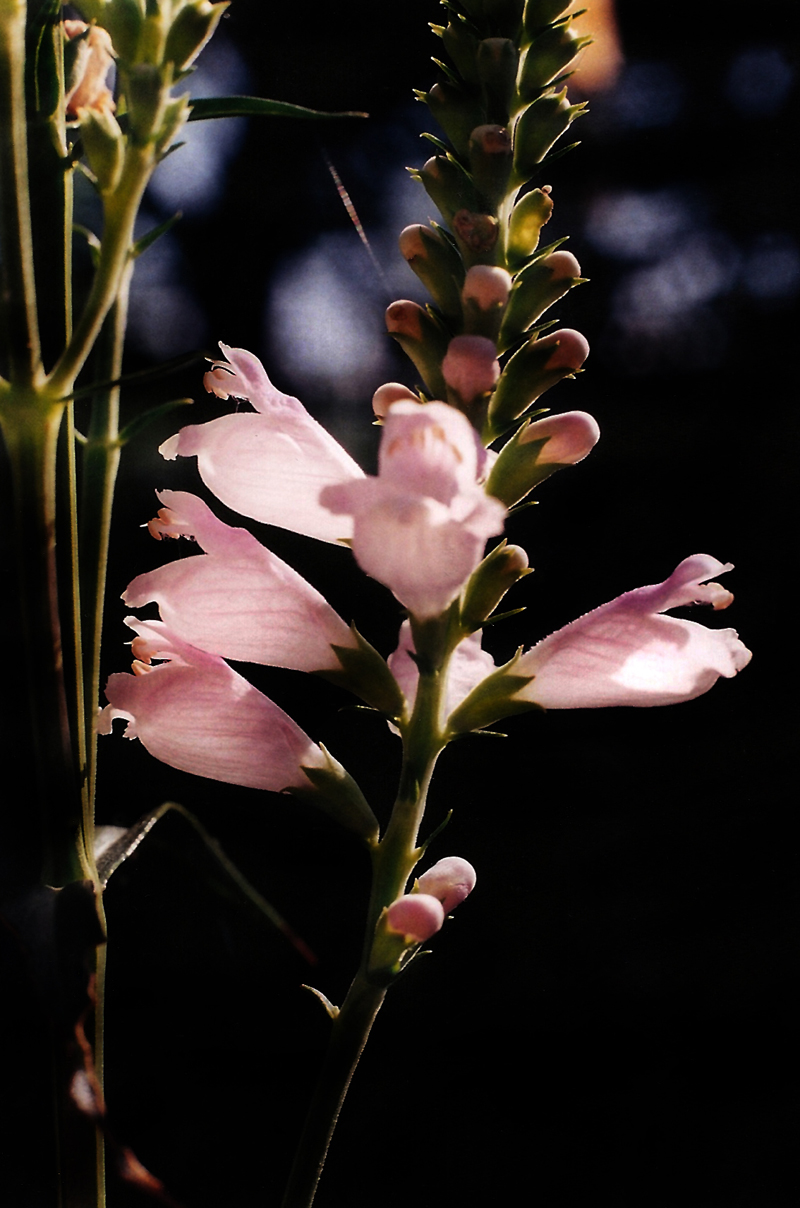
(196, 714)
(238, 599)
(417, 916)
(420, 527)
(450, 881)
(627, 653)
(270, 465)
(87, 88)
(468, 666)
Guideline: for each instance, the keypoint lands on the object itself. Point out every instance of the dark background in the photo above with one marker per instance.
(607, 1019)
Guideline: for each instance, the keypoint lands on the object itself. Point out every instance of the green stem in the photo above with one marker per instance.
(18, 282)
(30, 426)
(394, 859)
(100, 462)
(120, 210)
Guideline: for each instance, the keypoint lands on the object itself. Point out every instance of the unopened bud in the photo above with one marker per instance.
(103, 143)
(487, 287)
(490, 155)
(391, 392)
(423, 338)
(569, 437)
(537, 450)
(437, 264)
(448, 186)
(502, 567)
(470, 369)
(416, 916)
(456, 111)
(570, 349)
(496, 61)
(484, 297)
(191, 29)
(450, 880)
(476, 234)
(531, 371)
(539, 126)
(527, 219)
(535, 290)
(550, 53)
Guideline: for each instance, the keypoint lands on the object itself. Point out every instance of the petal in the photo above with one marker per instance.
(416, 546)
(625, 653)
(468, 665)
(430, 449)
(238, 600)
(196, 714)
(270, 466)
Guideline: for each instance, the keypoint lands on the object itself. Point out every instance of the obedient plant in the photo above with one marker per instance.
(460, 447)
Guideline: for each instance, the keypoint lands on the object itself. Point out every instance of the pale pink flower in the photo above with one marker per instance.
(420, 527)
(417, 916)
(238, 599)
(449, 880)
(270, 465)
(95, 59)
(468, 666)
(196, 714)
(627, 653)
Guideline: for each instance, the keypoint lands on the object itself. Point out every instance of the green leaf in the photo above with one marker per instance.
(138, 425)
(125, 842)
(146, 241)
(256, 106)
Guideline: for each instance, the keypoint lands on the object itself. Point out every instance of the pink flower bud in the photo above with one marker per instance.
(449, 881)
(570, 437)
(562, 265)
(404, 318)
(391, 392)
(417, 916)
(570, 349)
(471, 367)
(486, 286)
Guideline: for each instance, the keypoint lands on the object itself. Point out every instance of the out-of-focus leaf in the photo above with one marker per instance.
(256, 106)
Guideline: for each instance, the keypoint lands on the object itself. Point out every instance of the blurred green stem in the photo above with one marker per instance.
(394, 859)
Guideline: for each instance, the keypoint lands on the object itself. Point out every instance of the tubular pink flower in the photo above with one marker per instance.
(421, 525)
(417, 916)
(238, 599)
(468, 666)
(450, 881)
(270, 465)
(627, 653)
(570, 437)
(196, 714)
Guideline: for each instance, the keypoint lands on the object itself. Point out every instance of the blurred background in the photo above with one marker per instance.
(607, 1018)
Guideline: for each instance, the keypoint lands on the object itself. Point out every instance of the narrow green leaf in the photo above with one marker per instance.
(138, 425)
(256, 106)
(110, 857)
(146, 241)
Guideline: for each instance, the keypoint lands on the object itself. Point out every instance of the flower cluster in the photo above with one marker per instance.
(420, 527)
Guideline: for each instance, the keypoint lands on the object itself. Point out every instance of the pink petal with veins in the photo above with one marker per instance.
(238, 599)
(272, 465)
